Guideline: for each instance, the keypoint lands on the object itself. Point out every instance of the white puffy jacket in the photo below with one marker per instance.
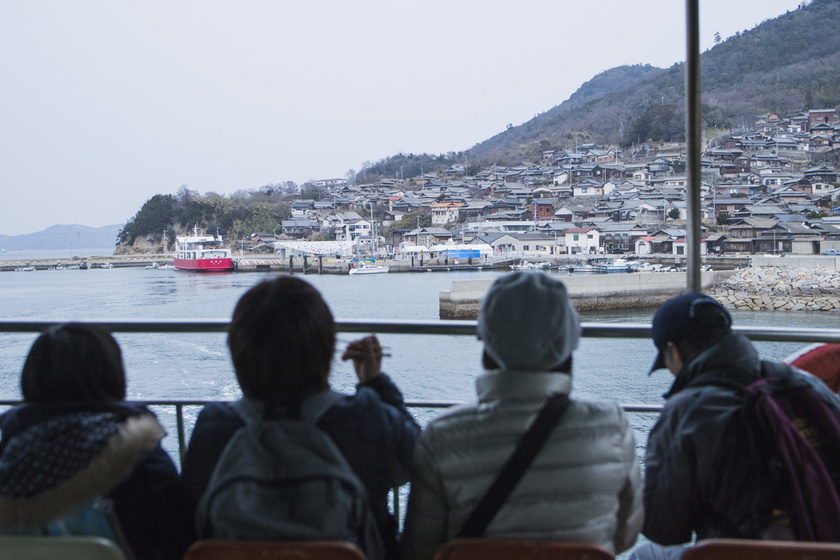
(585, 484)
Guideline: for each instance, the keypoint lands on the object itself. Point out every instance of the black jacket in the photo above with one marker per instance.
(697, 468)
(373, 430)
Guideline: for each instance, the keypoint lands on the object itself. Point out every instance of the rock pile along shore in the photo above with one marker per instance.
(780, 288)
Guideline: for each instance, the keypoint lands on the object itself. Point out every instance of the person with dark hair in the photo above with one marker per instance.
(282, 340)
(75, 440)
(584, 483)
(698, 467)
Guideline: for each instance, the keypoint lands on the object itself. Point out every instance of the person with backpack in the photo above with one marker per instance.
(727, 457)
(293, 459)
(526, 462)
(76, 459)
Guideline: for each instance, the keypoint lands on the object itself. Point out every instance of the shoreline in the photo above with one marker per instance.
(588, 292)
(776, 287)
(781, 288)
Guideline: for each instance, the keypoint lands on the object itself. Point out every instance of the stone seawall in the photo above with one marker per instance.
(588, 292)
(782, 288)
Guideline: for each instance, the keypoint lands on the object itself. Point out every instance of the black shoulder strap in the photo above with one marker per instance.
(507, 479)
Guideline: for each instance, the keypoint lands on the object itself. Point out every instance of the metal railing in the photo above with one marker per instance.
(464, 328)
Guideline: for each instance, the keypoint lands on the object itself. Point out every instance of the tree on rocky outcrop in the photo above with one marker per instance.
(155, 216)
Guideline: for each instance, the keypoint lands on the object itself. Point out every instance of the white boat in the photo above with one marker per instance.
(583, 267)
(615, 265)
(28, 268)
(107, 265)
(368, 268)
(644, 266)
(525, 265)
(201, 253)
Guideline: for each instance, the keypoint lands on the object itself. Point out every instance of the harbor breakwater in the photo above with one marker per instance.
(781, 288)
(588, 292)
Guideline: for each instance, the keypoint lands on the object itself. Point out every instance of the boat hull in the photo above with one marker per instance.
(204, 265)
(369, 270)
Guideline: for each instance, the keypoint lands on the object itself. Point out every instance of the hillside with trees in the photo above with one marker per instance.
(786, 64)
(235, 217)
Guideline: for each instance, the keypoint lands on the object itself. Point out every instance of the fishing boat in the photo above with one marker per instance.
(525, 265)
(614, 265)
(201, 253)
(368, 268)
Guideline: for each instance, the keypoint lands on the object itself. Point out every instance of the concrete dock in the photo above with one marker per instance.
(588, 292)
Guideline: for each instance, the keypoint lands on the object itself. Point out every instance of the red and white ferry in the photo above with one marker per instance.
(201, 253)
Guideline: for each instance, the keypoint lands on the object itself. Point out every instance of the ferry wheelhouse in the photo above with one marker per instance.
(202, 253)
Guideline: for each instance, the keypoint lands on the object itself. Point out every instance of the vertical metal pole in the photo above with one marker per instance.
(182, 437)
(693, 144)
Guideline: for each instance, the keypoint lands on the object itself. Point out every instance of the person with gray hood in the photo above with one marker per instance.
(584, 484)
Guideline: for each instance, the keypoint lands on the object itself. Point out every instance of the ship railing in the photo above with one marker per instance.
(449, 327)
(417, 327)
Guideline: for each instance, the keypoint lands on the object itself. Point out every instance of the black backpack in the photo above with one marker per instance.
(793, 436)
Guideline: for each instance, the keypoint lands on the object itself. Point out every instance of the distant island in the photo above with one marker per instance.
(71, 237)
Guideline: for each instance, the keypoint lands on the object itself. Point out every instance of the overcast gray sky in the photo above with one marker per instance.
(104, 104)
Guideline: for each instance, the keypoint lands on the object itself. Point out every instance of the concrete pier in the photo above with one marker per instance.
(588, 292)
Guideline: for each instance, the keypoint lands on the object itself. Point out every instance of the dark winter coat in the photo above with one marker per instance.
(697, 468)
(54, 458)
(373, 430)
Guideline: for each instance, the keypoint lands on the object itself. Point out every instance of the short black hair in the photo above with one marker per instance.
(74, 362)
(281, 340)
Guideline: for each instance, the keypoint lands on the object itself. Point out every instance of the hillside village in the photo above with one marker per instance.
(771, 188)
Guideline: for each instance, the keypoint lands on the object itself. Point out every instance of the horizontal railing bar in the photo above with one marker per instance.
(786, 334)
(447, 327)
(180, 403)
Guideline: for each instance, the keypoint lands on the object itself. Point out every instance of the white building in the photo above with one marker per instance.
(582, 240)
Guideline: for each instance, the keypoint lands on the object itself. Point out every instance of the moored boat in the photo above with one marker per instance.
(201, 253)
(614, 265)
(525, 265)
(368, 268)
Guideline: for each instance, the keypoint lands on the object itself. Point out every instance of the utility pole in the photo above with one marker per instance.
(373, 228)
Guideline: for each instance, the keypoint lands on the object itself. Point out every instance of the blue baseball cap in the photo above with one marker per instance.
(682, 316)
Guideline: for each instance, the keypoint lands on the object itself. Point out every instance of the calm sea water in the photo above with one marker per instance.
(190, 366)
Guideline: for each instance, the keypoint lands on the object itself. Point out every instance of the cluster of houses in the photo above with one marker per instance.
(772, 188)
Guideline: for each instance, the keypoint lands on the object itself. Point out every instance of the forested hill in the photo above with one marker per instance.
(785, 64)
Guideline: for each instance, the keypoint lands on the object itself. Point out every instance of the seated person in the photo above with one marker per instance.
(585, 483)
(691, 467)
(282, 340)
(74, 439)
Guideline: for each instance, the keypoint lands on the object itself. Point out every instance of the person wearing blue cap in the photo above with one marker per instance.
(584, 483)
(698, 470)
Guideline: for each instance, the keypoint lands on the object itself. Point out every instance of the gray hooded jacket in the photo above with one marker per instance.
(585, 484)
